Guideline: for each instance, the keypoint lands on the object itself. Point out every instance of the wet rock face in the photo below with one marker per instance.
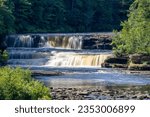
(133, 62)
(140, 59)
(140, 67)
(116, 62)
(139, 62)
(97, 43)
(119, 60)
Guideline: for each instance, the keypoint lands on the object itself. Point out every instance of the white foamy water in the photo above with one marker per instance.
(77, 60)
(64, 53)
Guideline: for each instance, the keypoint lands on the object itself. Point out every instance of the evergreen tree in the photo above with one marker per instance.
(61, 15)
(6, 20)
(22, 12)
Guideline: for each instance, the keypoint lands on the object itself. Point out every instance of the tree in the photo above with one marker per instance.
(135, 35)
(27, 16)
(6, 20)
(22, 12)
(6, 25)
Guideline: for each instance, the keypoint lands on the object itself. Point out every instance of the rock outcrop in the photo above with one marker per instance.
(115, 62)
(139, 62)
(133, 62)
(99, 42)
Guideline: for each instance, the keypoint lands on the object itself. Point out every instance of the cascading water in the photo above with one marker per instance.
(80, 55)
(38, 50)
(73, 42)
(77, 60)
(29, 41)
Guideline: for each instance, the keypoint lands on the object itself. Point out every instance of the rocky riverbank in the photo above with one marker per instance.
(102, 93)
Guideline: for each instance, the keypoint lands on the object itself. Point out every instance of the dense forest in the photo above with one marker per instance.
(23, 16)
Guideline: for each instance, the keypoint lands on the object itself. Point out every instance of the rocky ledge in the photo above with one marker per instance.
(133, 62)
(108, 93)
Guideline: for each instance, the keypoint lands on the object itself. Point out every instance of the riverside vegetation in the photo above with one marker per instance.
(135, 35)
(17, 84)
(132, 44)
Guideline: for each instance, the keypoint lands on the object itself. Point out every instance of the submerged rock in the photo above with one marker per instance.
(46, 73)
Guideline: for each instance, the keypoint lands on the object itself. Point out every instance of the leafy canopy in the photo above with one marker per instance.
(135, 35)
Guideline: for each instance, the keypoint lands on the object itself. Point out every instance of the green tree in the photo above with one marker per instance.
(6, 27)
(135, 35)
(48, 14)
(22, 13)
(61, 15)
(6, 20)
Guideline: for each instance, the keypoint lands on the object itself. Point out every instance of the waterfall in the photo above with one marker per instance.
(24, 41)
(69, 42)
(71, 50)
(29, 41)
(76, 60)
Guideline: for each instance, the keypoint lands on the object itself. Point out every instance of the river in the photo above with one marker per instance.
(80, 65)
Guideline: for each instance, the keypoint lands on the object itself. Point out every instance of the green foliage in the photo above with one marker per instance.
(16, 84)
(22, 12)
(23, 16)
(6, 19)
(3, 56)
(135, 35)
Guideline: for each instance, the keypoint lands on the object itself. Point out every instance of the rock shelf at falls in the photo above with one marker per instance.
(77, 58)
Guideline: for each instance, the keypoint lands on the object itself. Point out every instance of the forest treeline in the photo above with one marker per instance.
(23, 16)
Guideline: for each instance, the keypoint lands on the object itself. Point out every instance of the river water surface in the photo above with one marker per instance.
(80, 67)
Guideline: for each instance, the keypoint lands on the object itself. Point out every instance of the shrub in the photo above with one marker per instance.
(16, 84)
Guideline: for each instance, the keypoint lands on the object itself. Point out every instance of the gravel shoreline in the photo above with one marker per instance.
(101, 93)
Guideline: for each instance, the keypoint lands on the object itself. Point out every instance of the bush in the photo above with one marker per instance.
(16, 84)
